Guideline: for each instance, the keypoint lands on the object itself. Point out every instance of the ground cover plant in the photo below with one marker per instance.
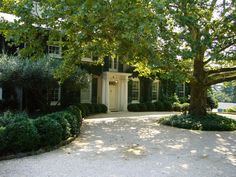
(209, 122)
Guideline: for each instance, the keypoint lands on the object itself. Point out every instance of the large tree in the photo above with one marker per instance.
(194, 38)
(205, 32)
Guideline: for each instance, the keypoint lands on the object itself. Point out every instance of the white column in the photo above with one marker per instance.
(124, 93)
(105, 90)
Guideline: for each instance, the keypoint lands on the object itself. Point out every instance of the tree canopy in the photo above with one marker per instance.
(194, 39)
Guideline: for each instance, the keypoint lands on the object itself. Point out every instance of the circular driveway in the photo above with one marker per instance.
(132, 145)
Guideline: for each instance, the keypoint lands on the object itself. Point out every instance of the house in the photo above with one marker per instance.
(113, 84)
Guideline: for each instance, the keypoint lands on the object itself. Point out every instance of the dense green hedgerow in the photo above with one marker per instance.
(66, 127)
(88, 109)
(49, 130)
(210, 122)
(21, 136)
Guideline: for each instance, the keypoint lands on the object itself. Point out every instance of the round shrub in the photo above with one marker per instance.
(88, 108)
(103, 108)
(21, 136)
(150, 106)
(142, 107)
(167, 106)
(159, 106)
(133, 107)
(185, 107)
(176, 106)
(2, 140)
(74, 110)
(50, 131)
(84, 110)
(71, 118)
(66, 127)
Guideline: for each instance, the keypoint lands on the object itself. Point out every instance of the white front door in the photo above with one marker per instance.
(113, 97)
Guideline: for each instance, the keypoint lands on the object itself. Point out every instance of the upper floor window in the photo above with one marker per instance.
(181, 90)
(113, 64)
(54, 51)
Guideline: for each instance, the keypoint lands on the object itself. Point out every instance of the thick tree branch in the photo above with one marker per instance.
(226, 46)
(221, 70)
(220, 80)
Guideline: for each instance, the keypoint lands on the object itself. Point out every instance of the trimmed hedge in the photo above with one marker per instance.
(20, 133)
(65, 125)
(158, 106)
(88, 109)
(49, 130)
(21, 136)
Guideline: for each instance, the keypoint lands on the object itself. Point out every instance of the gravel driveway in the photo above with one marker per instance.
(132, 145)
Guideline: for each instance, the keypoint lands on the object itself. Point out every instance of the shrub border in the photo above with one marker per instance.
(40, 151)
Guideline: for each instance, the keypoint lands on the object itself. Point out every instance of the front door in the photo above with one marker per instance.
(113, 97)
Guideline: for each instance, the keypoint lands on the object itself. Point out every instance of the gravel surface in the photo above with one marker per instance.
(132, 145)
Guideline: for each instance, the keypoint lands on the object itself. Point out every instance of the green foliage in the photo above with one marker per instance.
(49, 130)
(133, 107)
(231, 109)
(66, 127)
(73, 121)
(21, 136)
(20, 133)
(210, 122)
(9, 118)
(88, 109)
(156, 106)
(180, 107)
(3, 143)
(26, 72)
(159, 106)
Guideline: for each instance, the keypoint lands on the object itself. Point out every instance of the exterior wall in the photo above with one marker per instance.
(115, 90)
(145, 90)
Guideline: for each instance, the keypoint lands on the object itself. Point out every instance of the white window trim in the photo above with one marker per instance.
(183, 91)
(113, 64)
(0, 93)
(58, 102)
(157, 83)
(53, 55)
(138, 100)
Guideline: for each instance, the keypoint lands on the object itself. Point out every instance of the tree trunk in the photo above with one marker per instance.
(198, 99)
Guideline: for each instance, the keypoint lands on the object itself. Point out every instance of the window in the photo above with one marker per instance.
(155, 90)
(54, 51)
(55, 96)
(113, 64)
(135, 91)
(0, 93)
(181, 90)
(86, 93)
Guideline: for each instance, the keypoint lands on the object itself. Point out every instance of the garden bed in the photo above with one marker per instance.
(210, 122)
